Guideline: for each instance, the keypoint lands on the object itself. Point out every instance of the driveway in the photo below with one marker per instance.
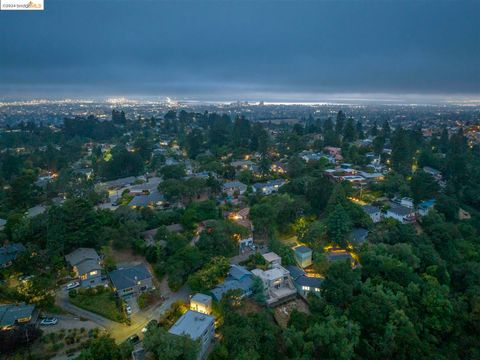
(120, 332)
(141, 318)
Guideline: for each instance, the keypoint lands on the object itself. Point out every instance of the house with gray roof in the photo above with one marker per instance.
(268, 187)
(233, 187)
(199, 327)
(131, 281)
(239, 278)
(12, 315)
(340, 255)
(9, 253)
(304, 284)
(152, 199)
(86, 265)
(401, 213)
(374, 212)
(35, 211)
(358, 236)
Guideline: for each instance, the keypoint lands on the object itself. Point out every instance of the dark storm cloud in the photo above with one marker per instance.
(236, 48)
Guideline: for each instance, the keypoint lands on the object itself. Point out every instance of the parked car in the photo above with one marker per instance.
(49, 321)
(128, 309)
(73, 285)
(134, 339)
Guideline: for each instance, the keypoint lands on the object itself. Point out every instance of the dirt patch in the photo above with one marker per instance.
(282, 313)
(125, 257)
(249, 307)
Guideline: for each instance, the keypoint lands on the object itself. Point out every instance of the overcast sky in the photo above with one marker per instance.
(245, 49)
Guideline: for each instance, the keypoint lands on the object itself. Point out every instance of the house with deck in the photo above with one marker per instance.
(86, 265)
(401, 213)
(305, 283)
(277, 284)
(131, 281)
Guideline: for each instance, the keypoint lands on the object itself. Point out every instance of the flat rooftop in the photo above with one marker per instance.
(192, 323)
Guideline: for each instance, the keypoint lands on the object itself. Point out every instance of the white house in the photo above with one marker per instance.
(277, 283)
(199, 327)
(374, 212)
(401, 213)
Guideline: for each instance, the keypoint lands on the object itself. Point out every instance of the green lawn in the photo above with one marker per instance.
(101, 302)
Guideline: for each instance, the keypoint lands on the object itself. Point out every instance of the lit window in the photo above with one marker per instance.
(94, 272)
(306, 288)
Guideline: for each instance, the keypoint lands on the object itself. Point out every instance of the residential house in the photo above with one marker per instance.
(277, 284)
(374, 176)
(425, 206)
(151, 200)
(309, 156)
(118, 183)
(238, 278)
(245, 244)
(243, 165)
(358, 236)
(336, 152)
(9, 253)
(269, 187)
(85, 263)
(131, 281)
(401, 213)
(12, 315)
(303, 256)
(35, 211)
(374, 212)
(407, 202)
(272, 259)
(201, 303)
(242, 217)
(199, 327)
(305, 284)
(437, 175)
(279, 168)
(232, 188)
(334, 255)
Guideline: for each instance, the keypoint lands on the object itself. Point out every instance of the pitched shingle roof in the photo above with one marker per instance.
(128, 277)
(81, 254)
(10, 313)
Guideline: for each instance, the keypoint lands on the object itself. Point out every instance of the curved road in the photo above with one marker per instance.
(120, 332)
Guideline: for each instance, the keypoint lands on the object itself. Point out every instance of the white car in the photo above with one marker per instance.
(128, 309)
(73, 285)
(49, 321)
